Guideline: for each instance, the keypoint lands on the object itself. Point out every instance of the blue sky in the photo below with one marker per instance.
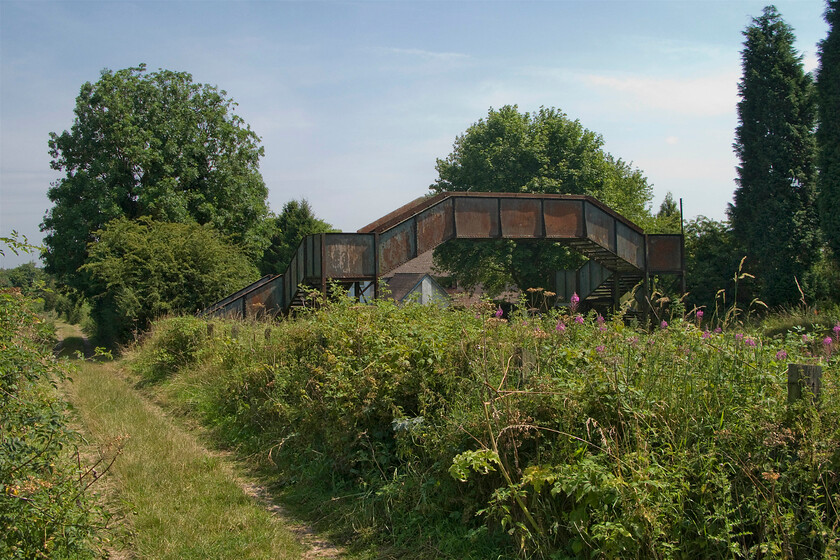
(354, 101)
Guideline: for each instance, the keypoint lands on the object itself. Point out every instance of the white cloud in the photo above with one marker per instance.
(705, 96)
(428, 55)
(672, 140)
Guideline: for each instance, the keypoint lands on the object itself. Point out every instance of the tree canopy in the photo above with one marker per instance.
(540, 152)
(828, 133)
(141, 269)
(152, 144)
(773, 215)
(294, 223)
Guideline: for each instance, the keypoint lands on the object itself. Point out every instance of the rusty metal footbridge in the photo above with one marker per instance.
(622, 258)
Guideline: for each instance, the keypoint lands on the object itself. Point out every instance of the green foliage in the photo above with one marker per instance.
(142, 269)
(294, 223)
(712, 257)
(774, 212)
(542, 152)
(156, 145)
(828, 133)
(44, 509)
(557, 436)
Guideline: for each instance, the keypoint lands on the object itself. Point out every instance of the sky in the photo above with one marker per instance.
(355, 101)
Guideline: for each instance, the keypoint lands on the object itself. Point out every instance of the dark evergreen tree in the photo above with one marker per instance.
(295, 222)
(828, 133)
(774, 215)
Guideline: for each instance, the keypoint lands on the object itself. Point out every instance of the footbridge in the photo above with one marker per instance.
(622, 258)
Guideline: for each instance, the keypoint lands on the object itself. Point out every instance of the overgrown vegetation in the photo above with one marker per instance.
(460, 433)
(45, 511)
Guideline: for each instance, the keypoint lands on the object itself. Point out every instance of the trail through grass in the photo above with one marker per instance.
(182, 501)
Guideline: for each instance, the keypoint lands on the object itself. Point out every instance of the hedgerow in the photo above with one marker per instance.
(45, 511)
(462, 433)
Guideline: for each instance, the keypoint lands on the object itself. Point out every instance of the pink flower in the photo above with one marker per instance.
(561, 327)
(836, 330)
(781, 355)
(601, 349)
(664, 324)
(749, 342)
(579, 319)
(739, 337)
(718, 330)
(804, 338)
(574, 301)
(827, 341)
(600, 320)
(706, 334)
(499, 312)
(699, 314)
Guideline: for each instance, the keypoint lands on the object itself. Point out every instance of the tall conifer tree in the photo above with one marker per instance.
(828, 133)
(774, 214)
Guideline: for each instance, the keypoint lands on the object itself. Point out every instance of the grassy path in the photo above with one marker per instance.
(183, 501)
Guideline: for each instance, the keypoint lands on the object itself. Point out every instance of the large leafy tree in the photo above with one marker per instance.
(141, 269)
(540, 152)
(152, 144)
(773, 215)
(294, 223)
(828, 133)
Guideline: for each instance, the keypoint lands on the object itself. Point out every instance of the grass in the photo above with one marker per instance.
(182, 501)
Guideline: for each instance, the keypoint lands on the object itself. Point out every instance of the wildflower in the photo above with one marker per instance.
(561, 327)
(699, 314)
(600, 320)
(706, 335)
(579, 319)
(574, 301)
(601, 349)
(836, 330)
(781, 355)
(633, 341)
(805, 338)
(739, 337)
(827, 341)
(749, 342)
(602, 328)
(664, 324)
(718, 330)
(499, 312)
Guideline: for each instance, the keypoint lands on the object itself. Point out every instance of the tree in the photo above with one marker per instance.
(152, 144)
(541, 152)
(828, 133)
(773, 214)
(294, 223)
(141, 269)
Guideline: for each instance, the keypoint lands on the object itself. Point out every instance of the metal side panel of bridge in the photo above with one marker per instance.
(624, 254)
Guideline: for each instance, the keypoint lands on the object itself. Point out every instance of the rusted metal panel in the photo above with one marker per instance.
(349, 255)
(522, 218)
(266, 300)
(396, 246)
(435, 225)
(600, 226)
(309, 244)
(563, 218)
(476, 218)
(630, 245)
(664, 253)
(316, 256)
(301, 262)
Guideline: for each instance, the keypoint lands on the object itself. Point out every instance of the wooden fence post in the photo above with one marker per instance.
(804, 376)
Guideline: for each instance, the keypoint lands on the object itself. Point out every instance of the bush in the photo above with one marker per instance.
(556, 435)
(44, 512)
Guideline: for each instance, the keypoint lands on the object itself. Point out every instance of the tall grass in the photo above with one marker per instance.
(181, 500)
(468, 435)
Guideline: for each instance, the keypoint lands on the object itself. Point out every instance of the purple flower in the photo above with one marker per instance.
(804, 338)
(601, 349)
(561, 327)
(706, 334)
(664, 324)
(499, 312)
(579, 319)
(600, 320)
(739, 337)
(602, 328)
(781, 355)
(633, 340)
(574, 301)
(836, 330)
(827, 341)
(699, 314)
(718, 330)
(749, 342)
